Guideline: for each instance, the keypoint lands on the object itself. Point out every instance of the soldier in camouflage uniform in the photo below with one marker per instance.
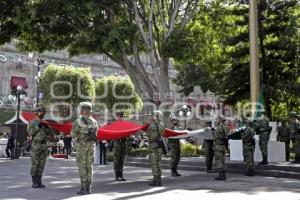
(248, 148)
(262, 128)
(220, 144)
(84, 131)
(39, 132)
(294, 128)
(154, 133)
(119, 153)
(208, 146)
(284, 136)
(175, 150)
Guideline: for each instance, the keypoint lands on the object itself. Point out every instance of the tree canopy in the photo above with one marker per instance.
(127, 31)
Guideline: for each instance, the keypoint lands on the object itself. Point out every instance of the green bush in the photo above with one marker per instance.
(190, 150)
(139, 152)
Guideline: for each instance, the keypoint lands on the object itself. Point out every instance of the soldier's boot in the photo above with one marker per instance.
(221, 177)
(118, 176)
(88, 187)
(35, 182)
(154, 181)
(252, 173)
(209, 169)
(297, 160)
(159, 182)
(82, 190)
(39, 180)
(121, 176)
(174, 174)
(264, 161)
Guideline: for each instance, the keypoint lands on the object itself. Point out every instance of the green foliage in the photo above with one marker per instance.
(190, 150)
(113, 90)
(138, 152)
(80, 79)
(226, 34)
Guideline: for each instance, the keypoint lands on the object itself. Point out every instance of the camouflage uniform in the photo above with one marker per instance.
(262, 128)
(154, 133)
(208, 146)
(85, 149)
(119, 153)
(175, 155)
(220, 149)
(39, 150)
(248, 149)
(294, 136)
(294, 127)
(284, 136)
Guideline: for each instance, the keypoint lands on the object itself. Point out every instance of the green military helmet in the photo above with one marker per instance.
(86, 105)
(249, 122)
(40, 110)
(292, 113)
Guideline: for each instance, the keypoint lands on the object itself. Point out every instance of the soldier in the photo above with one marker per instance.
(248, 148)
(39, 132)
(154, 132)
(84, 131)
(175, 150)
(119, 152)
(284, 136)
(294, 126)
(262, 128)
(208, 146)
(220, 145)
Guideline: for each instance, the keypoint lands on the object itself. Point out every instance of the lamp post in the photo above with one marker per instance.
(38, 63)
(19, 92)
(184, 112)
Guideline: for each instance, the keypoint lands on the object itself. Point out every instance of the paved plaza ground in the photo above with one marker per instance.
(62, 181)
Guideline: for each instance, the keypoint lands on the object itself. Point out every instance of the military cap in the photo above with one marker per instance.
(86, 105)
(249, 122)
(222, 117)
(40, 110)
(292, 113)
(157, 113)
(119, 114)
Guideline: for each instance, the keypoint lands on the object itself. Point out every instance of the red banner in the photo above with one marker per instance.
(115, 130)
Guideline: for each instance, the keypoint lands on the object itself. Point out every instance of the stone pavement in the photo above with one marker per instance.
(62, 182)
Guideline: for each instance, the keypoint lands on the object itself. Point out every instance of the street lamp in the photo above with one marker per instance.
(38, 63)
(19, 95)
(184, 112)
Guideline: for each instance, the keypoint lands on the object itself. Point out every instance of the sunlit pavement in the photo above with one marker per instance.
(62, 181)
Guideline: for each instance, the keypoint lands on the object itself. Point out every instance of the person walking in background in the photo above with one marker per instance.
(67, 145)
(10, 147)
(208, 146)
(103, 144)
(175, 150)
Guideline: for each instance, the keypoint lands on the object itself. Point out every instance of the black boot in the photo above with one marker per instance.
(264, 161)
(173, 171)
(82, 190)
(209, 169)
(88, 187)
(297, 160)
(121, 175)
(154, 182)
(159, 182)
(35, 182)
(221, 177)
(252, 173)
(39, 179)
(118, 176)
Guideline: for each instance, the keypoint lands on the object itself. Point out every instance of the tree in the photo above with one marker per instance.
(116, 28)
(69, 84)
(279, 52)
(118, 94)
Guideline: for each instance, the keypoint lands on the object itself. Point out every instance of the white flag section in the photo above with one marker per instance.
(206, 133)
